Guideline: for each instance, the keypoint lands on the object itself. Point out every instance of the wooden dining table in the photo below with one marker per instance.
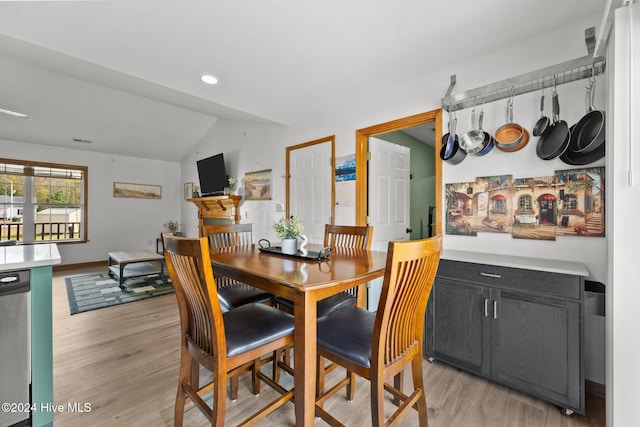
(304, 282)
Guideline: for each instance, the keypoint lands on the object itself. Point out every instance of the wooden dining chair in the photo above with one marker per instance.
(378, 346)
(338, 236)
(223, 343)
(231, 293)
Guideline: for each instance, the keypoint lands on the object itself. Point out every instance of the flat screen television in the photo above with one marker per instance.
(213, 175)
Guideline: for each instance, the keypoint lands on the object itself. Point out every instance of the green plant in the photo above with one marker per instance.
(288, 228)
(173, 225)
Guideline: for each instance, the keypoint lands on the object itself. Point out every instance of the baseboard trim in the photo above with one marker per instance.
(92, 264)
(595, 388)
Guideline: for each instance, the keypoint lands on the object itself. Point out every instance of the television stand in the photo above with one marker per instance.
(217, 207)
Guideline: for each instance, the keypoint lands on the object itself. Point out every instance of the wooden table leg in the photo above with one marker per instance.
(305, 358)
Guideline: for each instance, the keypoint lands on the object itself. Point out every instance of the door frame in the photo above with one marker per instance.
(332, 140)
(362, 136)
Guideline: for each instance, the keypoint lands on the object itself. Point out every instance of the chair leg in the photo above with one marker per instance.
(255, 381)
(418, 382)
(351, 387)
(320, 377)
(233, 386)
(397, 384)
(377, 402)
(218, 405)
(186, 369)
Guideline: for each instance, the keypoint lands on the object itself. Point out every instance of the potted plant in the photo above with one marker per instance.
(581, 230)
(288, 229)
(174, 227)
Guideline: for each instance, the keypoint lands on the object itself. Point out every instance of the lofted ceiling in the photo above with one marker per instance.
(125, 75)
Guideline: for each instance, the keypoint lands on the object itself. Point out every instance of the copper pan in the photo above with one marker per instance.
(511, 136)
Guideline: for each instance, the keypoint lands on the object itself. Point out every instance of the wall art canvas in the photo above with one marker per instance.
(257, 185)
(138, 191)
(535, 206)
(581, 205)
(460, 218)
(494, 196)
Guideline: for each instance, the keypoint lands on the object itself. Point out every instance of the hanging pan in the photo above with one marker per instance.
(511, 136)
(473, 140)
(590, 130)
(555, 140)
(451, 151)
(543, 122)
(580, 159)
(487, 140)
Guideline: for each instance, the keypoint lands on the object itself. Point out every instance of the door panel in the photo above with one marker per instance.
(310, 188)
(389, 170)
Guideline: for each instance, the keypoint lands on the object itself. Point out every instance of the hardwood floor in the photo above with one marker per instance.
(123, 361)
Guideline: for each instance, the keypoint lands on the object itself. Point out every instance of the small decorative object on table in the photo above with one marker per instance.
(232, 185)
(174, 227)
(196, 191)
(288, 229)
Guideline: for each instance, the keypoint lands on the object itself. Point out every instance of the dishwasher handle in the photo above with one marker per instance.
(14, 282)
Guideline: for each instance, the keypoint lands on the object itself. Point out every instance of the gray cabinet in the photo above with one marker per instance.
(520, 328)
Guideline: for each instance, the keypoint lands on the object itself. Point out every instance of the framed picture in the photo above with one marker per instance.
(188, 190)
(257, 185)
(138, 191)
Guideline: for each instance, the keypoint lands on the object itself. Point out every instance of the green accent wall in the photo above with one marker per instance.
(422, 185)
(41, 345)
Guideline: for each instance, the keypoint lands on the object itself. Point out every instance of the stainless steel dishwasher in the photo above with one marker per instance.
(15, 348)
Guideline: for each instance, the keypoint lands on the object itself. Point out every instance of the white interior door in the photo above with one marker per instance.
(389, 201)
(310, 188)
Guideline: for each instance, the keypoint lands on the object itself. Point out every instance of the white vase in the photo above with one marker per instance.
(290, 246)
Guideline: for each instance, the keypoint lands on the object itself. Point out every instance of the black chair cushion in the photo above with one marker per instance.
(253, 325)
(348, 333)
(237, 294)
(327, 305)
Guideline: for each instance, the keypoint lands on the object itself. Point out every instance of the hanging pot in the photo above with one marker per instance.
(510, 136)
(580, 159)
(456, 155)
(590, 130)
(472, 141)
(487, 140)
(555, 140)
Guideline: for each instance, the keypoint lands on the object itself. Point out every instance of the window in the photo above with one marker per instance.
(524, 203)
(42, 202)
(570, 202)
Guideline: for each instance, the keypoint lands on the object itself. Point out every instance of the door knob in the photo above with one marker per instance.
(409, 230)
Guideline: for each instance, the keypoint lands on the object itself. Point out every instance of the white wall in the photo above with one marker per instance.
(264, 145)
(247, 146)
(623, 322)
(115, 223)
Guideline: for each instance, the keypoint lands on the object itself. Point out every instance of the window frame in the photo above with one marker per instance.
(84, 228)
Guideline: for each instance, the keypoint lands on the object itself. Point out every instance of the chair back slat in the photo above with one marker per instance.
(228, 235)
(348, 236)
(189, 266)
(399, 325)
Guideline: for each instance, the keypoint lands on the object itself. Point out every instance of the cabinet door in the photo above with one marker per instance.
(458, 333)
(536, 346)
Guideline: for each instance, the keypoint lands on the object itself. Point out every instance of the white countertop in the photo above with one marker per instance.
(539, 264)
(27, 256)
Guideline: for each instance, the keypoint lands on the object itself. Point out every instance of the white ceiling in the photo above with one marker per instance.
(125, 74)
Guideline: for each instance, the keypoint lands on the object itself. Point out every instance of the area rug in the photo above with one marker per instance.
(88, 292)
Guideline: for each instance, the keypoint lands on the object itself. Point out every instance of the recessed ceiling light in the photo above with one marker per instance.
(15, 114)
(209, 79)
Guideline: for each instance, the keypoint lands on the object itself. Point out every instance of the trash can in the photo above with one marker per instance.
(595, 344)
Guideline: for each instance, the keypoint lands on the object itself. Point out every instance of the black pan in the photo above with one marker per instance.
(555, 140)
(590, 130)
(543, 122)
(580, 159)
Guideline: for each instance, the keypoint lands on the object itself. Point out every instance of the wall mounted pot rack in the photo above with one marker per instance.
(565, 72)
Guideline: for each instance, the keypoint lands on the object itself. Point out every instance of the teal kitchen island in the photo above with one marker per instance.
(38, 260)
